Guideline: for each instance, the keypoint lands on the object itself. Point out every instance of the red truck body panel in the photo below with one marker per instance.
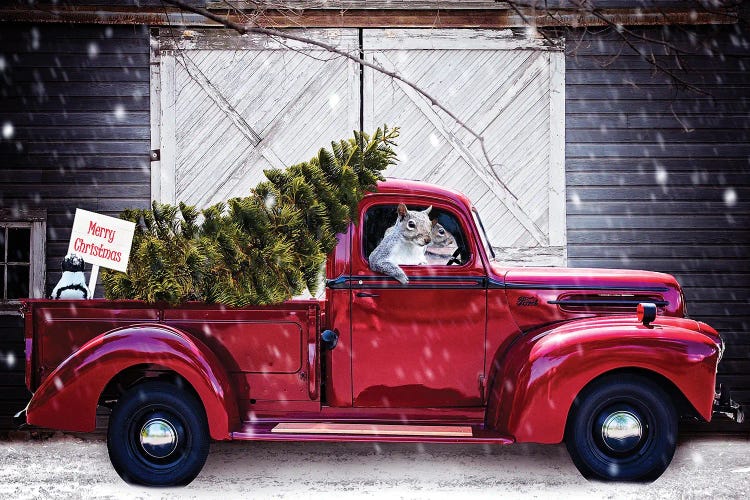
(540, 375)
(504, 350)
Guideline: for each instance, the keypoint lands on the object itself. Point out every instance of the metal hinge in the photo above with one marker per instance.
(155, 154)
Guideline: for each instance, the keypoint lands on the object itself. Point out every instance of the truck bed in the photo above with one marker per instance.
(265, 349)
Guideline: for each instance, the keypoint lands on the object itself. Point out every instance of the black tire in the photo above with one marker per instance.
(622, 428)
(177, 447)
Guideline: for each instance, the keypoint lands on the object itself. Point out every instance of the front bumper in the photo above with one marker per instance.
(725, 407)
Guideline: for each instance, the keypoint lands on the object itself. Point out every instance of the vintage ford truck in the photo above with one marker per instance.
(467, 351)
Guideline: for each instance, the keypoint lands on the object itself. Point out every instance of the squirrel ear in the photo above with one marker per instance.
(434, 222)
(427, 210)
(401, 210)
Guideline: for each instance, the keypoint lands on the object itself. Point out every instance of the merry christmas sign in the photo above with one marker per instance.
(101, 240)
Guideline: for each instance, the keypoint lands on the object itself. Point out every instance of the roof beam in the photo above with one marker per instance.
(366, 18)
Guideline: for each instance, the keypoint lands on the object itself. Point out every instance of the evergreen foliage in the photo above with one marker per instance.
(260, 249)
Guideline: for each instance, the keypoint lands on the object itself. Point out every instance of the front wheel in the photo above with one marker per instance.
(158, 435)
(622, 428)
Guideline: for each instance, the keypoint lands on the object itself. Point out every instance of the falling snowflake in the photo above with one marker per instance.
(661, 176)
(434, 140)
(8, 130)
(333, 100)
(120, 112)
(730, 197)
(575, 199)
(10, 360)
(3, 63)
(93, 50)
(270, 201)
(34, 39)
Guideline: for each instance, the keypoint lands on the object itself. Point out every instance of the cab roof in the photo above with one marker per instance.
(413, 187)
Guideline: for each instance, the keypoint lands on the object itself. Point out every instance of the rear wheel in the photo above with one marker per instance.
(158, 435)
(622, 428)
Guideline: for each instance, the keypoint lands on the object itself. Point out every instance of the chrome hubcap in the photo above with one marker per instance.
(621, 431)
(158, 438)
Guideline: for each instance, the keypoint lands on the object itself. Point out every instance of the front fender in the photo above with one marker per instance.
(536, 381)
(68, 397)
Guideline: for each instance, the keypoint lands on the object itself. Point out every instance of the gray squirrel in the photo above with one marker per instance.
(403, 244)
(443, 245)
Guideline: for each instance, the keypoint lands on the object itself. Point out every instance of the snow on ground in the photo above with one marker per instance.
(69, 466)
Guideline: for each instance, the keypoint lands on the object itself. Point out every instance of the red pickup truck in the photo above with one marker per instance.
(466, 351)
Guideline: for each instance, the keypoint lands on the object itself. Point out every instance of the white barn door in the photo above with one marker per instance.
(230, 106)
(508, 89)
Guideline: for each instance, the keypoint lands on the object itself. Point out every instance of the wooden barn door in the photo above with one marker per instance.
(509, 90)
(225, 107)
(230, 106)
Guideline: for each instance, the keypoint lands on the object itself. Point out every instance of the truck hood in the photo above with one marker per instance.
(543, 295)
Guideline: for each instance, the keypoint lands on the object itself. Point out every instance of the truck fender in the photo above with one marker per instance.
(68, 397)
(534, 384)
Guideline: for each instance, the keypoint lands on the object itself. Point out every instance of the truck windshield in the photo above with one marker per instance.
(483, 233)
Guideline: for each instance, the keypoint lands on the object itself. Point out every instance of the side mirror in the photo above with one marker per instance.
(646, 313)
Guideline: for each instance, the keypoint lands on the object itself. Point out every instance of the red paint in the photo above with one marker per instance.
(67, 398)
(538, 378)
(502, 350)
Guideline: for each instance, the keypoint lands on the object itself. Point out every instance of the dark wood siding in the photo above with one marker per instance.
(657, 174)
(78, 100)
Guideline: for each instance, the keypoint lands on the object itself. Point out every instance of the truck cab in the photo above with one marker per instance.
(465, 351)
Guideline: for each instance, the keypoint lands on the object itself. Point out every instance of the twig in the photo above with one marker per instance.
(245, 29)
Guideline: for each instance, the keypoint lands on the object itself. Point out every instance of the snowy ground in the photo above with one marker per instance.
(78, 467)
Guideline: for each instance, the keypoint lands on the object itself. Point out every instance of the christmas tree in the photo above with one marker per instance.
(260, 249)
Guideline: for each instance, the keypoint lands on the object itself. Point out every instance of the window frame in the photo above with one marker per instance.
(452, 211)
(36, 221)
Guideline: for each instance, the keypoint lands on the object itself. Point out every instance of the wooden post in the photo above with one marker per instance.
(92, 280)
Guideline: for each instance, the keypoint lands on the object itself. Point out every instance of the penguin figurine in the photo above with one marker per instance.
(72, 284)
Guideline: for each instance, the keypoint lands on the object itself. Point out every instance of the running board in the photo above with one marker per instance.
(373, 429)
(383, 433)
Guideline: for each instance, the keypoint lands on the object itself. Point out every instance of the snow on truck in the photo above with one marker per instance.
(465, 351)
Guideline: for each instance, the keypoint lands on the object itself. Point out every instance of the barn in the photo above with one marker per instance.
(606, 133)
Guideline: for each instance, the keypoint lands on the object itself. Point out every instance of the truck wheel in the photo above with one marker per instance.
(622, 428)
(158, 435)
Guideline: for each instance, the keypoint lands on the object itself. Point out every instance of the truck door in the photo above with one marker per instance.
(419, 344)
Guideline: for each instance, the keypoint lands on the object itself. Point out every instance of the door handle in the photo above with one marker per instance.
(367, 294)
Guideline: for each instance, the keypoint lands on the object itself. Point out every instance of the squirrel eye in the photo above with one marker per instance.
(441, 231)
(411, 224)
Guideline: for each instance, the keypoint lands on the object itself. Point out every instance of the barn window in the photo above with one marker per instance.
(22, 259)
(226, 107)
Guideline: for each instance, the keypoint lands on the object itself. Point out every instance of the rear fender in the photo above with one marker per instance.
(68, 397)
(535, 383)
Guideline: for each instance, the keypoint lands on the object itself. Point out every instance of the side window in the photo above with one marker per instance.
(446, 236)
(22, 259)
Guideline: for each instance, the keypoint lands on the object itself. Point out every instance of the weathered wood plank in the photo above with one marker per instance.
(22, 118)
(647, 150)
(660, 136)
(210, 39)
(78, 147)
(648, 176)
(452, 39)
(676, 107)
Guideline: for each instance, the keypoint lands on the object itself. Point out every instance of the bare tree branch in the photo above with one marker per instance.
(244, 29)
